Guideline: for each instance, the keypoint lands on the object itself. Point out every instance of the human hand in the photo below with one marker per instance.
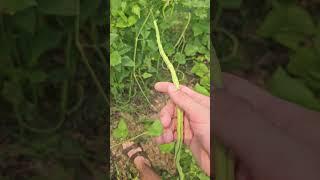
(272, 139)
(196, 109)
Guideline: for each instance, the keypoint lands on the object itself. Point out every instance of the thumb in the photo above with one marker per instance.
(181, 99)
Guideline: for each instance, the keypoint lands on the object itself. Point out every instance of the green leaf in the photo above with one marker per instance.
(191, 49)
(304, 60)
(230, 4)
(205, 81)
(152, 45)
(200, 28)
(166, 148)
(155, 129)
(115, 58)
(136, 10)
(203, 177)
(169, 49)
(146, 75)
(288, 88)
(113, 38)
(288, 18)
(200, 69)
(291, 40)
(59, 7)
(180, 58)
(202, 90)
(132, 20)
(25, 20)
(123, 5)
(127, 61)
(13, 6)
(115, 5)
(37, 76)
(121, 131)
(88, 8)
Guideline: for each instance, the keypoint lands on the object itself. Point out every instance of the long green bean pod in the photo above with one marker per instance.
(179, 112)
(223, 160)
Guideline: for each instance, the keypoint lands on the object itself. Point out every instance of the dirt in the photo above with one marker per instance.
(121, 167)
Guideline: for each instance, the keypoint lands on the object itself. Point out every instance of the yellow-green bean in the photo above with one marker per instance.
(179, 112)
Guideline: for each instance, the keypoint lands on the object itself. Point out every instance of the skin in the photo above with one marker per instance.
(271, 138)
(196, 121)
(142, 164)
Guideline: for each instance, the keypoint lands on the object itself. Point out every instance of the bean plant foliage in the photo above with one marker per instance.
(288, 27)
(136, 63)
(275, 45)
(53, 63)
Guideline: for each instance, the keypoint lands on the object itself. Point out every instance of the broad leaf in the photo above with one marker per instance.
(126, 61)
(121, 131)
(146, 75)
(288, 88)
(291, 40)
(200, 28)
(59, 7)
(136, 10)
(115, 5)
(115, 58)
(180, 58)
(166, 148)
(230, 4)
(13, 6)
(88, 8)
(200, 69)
(37, 76)
(191, 49)
(155, 129)
(202, 90)
(287, 19)
(25, 20)
(303, 61)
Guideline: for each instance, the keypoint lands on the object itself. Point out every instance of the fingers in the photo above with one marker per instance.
(187, 131)
(162, 87)
(167, 113)
(166, 137)
(184, 101)
(203, 100)
(168, 133)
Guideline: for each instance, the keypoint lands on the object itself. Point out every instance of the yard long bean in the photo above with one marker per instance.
(179, 112)
(223, 160)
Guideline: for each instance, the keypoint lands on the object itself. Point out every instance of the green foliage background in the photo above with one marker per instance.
(274, 42)
(126, 20)
(53, 63)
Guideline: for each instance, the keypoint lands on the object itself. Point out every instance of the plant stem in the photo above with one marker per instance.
(84, 57)
(131, 139)
(224, 163)
(184, 31)
(135, 55)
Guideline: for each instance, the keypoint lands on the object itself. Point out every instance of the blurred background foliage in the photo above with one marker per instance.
(273, 43)
(53, 89)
